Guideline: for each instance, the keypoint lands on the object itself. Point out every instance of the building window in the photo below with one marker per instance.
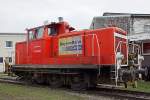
(146, 48)
(1, 59)
(147, 28)
(9, 59)
(9, 44)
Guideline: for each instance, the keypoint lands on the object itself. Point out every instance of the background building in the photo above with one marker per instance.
(137, 27)
(132, 23)
(7, 47)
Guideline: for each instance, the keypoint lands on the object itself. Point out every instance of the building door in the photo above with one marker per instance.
(1, 64)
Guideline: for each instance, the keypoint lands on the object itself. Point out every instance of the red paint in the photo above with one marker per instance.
(96, 49)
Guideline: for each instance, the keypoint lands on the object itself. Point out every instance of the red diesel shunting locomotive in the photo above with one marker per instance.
(57, 55)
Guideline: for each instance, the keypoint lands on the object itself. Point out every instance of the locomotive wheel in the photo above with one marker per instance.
(55, 82)
(37, 78)
(147, 76)
(27, 77)
(77, 84)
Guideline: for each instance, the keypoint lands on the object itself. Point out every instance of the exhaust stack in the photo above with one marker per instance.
(60, 19)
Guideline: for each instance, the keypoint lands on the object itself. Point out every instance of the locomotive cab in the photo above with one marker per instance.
(52, 29)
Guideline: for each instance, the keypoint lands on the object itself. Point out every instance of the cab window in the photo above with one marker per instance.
(36, 33)
(39, 32)
(31, 35)
(52, 31)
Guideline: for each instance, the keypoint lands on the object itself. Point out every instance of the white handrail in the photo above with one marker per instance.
(119, 45)
(116, 70)
(97, 42)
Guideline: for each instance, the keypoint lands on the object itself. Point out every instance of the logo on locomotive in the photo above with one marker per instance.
(70, 45)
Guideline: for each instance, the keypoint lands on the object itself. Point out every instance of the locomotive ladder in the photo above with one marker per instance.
(115, 69)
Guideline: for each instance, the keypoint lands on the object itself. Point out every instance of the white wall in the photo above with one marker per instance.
(9, 52)
(138, 25)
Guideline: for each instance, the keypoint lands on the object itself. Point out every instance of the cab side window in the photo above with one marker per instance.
(31, 35)
(36, 33)
(52, 31)
(39, 32)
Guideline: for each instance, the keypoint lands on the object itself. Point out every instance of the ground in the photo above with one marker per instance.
(20, 92)
(143, 86)
(26, 92)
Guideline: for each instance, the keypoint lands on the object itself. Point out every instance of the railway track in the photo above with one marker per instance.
(126, 94)
(108, 92)
(12, 81)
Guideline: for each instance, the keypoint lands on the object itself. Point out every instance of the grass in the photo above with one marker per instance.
(142, 87)
(20, 92)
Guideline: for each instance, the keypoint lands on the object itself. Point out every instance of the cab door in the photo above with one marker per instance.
(35, 45)
(53, 32)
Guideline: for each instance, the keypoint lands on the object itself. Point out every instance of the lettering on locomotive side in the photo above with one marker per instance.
(70, 45)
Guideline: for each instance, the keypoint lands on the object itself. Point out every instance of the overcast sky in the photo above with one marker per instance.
(17, 15)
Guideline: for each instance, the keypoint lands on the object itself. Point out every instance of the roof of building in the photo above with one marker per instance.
(130, 14)
(12, 33)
